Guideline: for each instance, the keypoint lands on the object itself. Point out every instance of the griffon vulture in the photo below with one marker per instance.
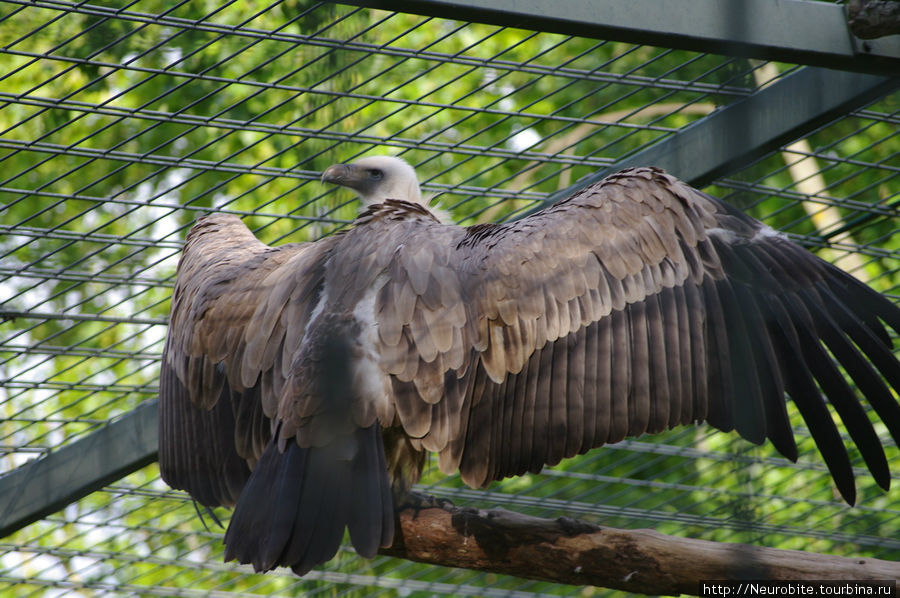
(304, 383)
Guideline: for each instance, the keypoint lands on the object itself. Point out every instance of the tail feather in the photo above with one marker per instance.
(333, 496)
(372, 526)
(297, 503)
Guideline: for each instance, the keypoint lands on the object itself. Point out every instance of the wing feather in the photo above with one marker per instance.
(835, 387)
(639, 389)
(768, 376)
(720, 400)
(558, 398)
(802, 388)
(861, 371)
(660, 377)
(622, 367)
(674, 320)
(521, 418)
(594, 386)
(695, 408)
(540, 425)
(576, 407)
(747, 406)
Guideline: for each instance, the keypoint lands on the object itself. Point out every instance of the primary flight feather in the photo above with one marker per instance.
(304, 383)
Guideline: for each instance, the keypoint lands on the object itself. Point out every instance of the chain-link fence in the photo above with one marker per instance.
(121, 122)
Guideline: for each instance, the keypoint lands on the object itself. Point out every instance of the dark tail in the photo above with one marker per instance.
(298, 500)
(295, 506)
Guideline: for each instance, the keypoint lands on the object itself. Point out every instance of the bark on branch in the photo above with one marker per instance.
(573, 552)
(869, 19)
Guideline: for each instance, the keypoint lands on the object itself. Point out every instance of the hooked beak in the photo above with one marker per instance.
(337, 174)
(362, 180)
(346, 175)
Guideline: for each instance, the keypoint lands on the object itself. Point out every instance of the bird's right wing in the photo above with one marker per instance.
(636, 305)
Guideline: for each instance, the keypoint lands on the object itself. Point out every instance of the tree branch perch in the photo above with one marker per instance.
(574, 552)
(869, 19)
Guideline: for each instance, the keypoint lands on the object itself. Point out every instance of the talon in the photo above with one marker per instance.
(419, 501)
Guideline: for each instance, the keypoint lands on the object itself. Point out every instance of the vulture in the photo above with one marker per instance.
(304, 384)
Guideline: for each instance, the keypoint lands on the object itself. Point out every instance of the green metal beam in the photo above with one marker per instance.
(741, 133)
(46, 485)
(796, 31)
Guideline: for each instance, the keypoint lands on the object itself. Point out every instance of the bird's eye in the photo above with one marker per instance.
(376, 174)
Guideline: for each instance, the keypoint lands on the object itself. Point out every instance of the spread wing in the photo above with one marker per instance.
(236, 311)
(636, 305)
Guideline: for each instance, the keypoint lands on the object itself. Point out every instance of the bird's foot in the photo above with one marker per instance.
(418, 502)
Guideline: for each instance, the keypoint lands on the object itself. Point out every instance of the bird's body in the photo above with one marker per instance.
(302, 383)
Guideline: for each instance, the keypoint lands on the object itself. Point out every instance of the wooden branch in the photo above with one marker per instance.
(573, 552)
(869, 19)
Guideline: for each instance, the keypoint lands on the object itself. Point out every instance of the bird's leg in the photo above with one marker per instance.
(209, 511)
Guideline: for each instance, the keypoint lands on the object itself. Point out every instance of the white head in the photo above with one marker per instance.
(377, 178)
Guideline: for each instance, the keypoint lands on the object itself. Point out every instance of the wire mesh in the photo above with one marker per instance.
(122, 122)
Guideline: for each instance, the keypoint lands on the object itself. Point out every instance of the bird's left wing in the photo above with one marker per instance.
(236, 310)
(636, 305)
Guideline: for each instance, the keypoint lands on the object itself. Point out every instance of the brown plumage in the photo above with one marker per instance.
(302, 383)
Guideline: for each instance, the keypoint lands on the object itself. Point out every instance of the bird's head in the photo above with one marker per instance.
(376, 179)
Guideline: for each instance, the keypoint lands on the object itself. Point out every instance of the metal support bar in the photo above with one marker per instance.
(46, 485)
(798, 31)
(742, 132)
(712, 147)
